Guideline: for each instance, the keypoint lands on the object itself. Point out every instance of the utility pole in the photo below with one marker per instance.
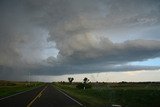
(29, 78)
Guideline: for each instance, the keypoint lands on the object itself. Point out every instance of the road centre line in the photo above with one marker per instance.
(38, 96)
(19, 93)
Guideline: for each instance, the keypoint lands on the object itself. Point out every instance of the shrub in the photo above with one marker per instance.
(82, 85)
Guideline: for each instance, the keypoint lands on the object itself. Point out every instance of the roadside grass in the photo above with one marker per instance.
(8, 88)
(127, 95)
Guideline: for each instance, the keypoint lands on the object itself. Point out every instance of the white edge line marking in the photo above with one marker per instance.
(18, 93)
(70, 97)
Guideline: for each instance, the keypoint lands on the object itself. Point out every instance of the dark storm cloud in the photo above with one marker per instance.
(85, 33)
(82, 69)
(111, 53)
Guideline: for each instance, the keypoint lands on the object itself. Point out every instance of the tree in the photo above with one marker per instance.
(84, 85)
(70, 79)
(85, 80)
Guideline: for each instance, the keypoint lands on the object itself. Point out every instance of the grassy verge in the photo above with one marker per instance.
(15, 87)
(128, 95)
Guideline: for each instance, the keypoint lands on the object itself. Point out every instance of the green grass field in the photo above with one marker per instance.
(8, 88)
(124, 94)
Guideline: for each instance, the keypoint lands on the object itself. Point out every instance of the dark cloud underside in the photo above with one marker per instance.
(53, 37)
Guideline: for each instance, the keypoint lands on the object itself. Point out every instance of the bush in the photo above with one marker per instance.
(82, 85)
(7, 83)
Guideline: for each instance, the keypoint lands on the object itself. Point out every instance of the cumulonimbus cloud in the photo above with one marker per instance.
(89, 35)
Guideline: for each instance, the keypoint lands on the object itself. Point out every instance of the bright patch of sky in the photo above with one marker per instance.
(150, 62)
(50, 52)
(129, 76)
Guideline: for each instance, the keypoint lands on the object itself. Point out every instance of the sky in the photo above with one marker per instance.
(104, 40)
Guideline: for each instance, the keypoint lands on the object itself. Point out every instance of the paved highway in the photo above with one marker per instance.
(45, 96)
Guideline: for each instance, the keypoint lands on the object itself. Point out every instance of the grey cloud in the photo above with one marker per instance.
(84, 32)
(21, 40)
(88, 50)
(81, 69)
(10, 73)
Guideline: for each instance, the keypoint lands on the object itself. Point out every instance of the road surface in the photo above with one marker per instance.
(45, 96)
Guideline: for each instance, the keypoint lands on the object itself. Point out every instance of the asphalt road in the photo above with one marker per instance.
(45, 96)
(20, 100)
(51, 97)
